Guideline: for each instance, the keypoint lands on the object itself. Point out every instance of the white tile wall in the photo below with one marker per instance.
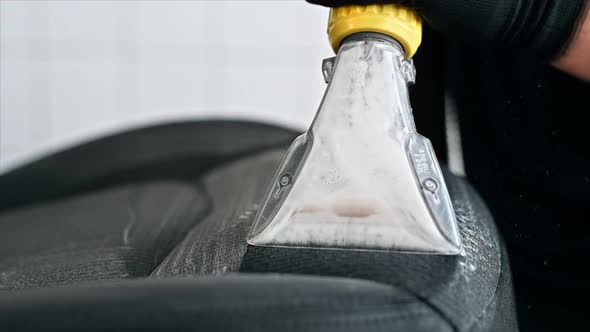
(76, 69)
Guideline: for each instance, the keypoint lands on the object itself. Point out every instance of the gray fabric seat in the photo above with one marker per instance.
(182, 243)
(118, 233)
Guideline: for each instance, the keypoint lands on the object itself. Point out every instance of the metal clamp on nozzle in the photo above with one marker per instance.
(361, 178)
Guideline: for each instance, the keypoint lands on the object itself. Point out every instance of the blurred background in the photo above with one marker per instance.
(72, 71)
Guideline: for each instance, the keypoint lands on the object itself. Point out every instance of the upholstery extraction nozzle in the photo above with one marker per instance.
(362, 178)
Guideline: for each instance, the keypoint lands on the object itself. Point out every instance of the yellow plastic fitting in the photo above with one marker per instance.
(396, 21)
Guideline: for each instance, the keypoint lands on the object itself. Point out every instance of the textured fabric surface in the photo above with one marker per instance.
(218, 244)
(174, 151)
(463, 289)
(469, 292)
(198, 229)
(119, 233)
(222, 303)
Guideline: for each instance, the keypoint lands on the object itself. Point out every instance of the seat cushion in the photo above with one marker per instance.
(245, 302)
(470, 292)
(195, 228)
(179, 151)
(118, 233)
(114, 207)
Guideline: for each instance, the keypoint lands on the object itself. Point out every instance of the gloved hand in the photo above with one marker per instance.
(540, 27)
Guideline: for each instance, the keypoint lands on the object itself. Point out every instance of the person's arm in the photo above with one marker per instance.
(555, 31)
(576, 58)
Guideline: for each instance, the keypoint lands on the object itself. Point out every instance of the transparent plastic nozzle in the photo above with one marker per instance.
(361, 178)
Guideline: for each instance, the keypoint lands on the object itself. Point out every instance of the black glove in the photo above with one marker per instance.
(541, 27)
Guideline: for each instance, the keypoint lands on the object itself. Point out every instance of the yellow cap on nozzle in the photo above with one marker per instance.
(396, 21)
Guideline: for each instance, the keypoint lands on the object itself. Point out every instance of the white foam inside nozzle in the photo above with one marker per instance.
(352, 182)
